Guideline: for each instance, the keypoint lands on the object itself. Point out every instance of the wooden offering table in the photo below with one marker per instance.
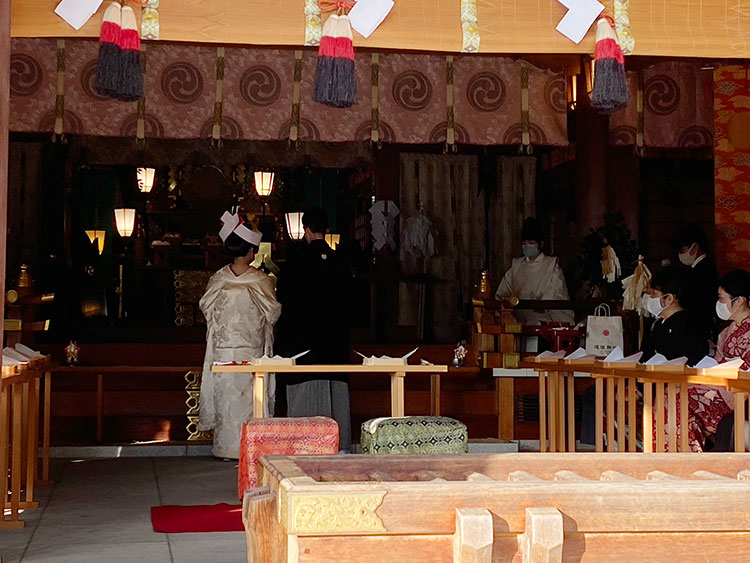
(507, 507)
(397, 373)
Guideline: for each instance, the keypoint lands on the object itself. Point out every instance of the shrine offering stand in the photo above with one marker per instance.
(582, 506)
(397, 373)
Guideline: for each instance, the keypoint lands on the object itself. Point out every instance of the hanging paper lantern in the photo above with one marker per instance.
(294, 225)
(125, 221)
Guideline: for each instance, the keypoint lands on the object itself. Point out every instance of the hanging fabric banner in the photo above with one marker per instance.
(450, 132)
(216, 133)
(374, 79)
(294, 130)
(60, 96)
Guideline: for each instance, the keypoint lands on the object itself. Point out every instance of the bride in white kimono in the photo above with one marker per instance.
(241, 309)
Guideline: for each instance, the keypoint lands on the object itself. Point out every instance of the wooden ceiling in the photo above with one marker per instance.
(678, 28)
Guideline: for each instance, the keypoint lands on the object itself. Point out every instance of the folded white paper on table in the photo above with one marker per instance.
(661, 360)
(28, 352)
(367, 15)
(631, 359)
(579, 354)
(266, 360)
(614, 356)
(386, 360)
(547, 355)
(581, 14)
(12, 361)
(735, 363)
(657, 360)
(706, 362)
(77, 12)
(12, 353)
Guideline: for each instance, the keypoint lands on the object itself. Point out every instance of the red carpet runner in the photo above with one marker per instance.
(173, 519)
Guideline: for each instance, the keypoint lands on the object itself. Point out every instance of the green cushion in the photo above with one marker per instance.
(414, 435)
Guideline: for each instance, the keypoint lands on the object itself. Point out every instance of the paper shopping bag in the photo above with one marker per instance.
(603, 332)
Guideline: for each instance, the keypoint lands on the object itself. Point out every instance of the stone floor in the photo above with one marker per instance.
(99, 511)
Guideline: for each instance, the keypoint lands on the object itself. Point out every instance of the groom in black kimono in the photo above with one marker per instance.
(313, 289)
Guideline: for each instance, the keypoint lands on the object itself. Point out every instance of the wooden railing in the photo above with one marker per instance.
(616, 396)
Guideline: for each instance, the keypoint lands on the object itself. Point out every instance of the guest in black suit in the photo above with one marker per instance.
(673, 333)
(700, 278)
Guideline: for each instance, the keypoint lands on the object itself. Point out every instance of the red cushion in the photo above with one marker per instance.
(317, 435)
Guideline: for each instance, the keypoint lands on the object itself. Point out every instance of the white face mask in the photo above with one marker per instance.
(722, 310)
(530, 250)
(686, 258)
(653, 305)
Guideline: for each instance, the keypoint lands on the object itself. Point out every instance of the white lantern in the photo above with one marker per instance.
(125, 220)
(145, 179)
(333, 240)
(98, 236)
(264, 183)
(294, 225)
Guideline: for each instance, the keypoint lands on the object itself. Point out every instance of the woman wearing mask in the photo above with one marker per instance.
(673, 333)
(733, 305)
(535, 276)
(709, 405)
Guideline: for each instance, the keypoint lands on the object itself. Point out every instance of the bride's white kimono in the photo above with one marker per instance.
(240, 313)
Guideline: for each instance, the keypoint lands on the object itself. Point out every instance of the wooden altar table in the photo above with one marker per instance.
(397, 373)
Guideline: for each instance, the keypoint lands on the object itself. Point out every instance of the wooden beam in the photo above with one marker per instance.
(4, 109)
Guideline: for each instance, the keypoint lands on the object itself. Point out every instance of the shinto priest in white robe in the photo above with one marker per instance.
(540, 278)
(240, 313)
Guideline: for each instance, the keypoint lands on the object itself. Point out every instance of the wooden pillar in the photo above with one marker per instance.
(4, 112)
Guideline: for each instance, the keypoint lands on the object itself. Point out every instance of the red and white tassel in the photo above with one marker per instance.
(335, 77)
(610, 92)
(108, 62)
(130, 82)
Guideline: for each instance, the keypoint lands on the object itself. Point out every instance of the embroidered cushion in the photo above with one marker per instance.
(317, 435)
(414, 435)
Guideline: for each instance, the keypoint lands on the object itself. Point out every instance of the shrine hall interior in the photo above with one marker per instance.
(60, 188)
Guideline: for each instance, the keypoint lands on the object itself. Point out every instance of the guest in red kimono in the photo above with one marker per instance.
(709, 405)
(734, 294)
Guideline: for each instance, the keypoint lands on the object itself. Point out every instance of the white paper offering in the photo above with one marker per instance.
(386, 360)
(8, 361)
(547, 355)
(614, 356)
(266, 360)
(706, 362)
(729, 364)
(681, 361)
(657, 360)
(632, 358)
(367, 15)
(15, 355)
(28, 352)
(77, 12)
(581, 14)
(579, 354)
